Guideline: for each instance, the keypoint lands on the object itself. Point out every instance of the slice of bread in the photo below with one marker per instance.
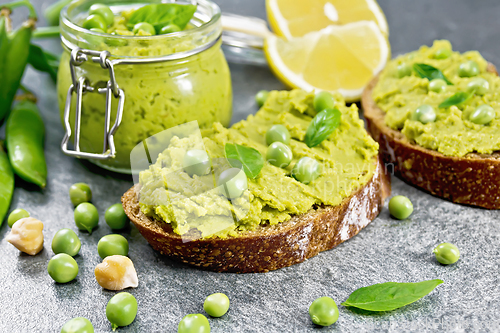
(269, 247)
(473, 179)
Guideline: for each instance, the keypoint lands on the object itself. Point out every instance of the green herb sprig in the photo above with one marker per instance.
(159, 15)
(457, 99)
(250, 158)
(322, 125)
(390, 295)
(430, 72)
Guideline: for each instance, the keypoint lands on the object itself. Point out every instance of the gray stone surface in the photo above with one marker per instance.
(387, 250)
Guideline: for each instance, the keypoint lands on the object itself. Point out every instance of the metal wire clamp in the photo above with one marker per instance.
(81, 86)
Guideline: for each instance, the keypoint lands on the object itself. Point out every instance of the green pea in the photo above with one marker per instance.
(278, 133)
(62, 268)
(424, 113)
(104, 11)
(482, 115)
(98, 30)
(95, 21)
(115, 217)
(169, 28)
(194, 323)
(78, 325)
(216, 305)
(261, 97)
(323, 311)
(66, 241)
(404, 70)
(79, 192)
(111, 245)
(234, 182)
(306, 170)
(121, 310)
(144, 26)
(442, 53)
(86, 216)
(196, 162)
(479, 86)
(16, 215)
(400, 207)
(437, 85)
(447, 253)
(323, 100)
(468, 69)
(279, 154)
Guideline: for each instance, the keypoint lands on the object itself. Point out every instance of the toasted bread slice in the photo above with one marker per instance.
(472, 180)
(269, 247)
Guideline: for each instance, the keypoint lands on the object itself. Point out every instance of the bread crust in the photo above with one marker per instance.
(269, 247)
(472, 180)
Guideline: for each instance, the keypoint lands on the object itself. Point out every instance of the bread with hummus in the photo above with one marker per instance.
(286, 221)
(451, 156)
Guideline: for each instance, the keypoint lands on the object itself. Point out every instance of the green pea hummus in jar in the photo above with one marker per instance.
(158, 95)
(471, 124)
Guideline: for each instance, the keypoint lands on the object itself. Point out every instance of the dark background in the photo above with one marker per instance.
(387, 250)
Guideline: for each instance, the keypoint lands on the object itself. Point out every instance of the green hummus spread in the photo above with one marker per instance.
(452, 133)
(157, 96)
(346, 156)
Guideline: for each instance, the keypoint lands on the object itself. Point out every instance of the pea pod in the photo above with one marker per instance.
(6, 184)
(4, 49)
(25, 135)
(16, 58)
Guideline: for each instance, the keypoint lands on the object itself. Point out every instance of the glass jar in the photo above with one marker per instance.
(165, 80)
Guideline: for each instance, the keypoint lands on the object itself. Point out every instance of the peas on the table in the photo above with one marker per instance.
(442, 53)
(234, 182)
(261, 97)
(115, 217)
(86, 216)
(66, 241)
(306, 170)
(277, 133)
(323, 100)
(110, 245)
(169, 28)
(78, 325)
(437, 85)
(62, 268)
(279, 154)
(482, 115)
(121, 310)
(80, 192)
(144, 26)
(216, 305)
(323, 311)
(95, 21)
(468, 69)
(425, 113)
(478, 85)
(104, 11)
(194, 323)
(196, 162)
(404, 70)
(400, 207)
(447, 253)
(16, 215)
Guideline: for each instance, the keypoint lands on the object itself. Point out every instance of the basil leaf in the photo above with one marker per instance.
(43, 61)
(322, 125)
(429, 72)
(250, 158)
(390, 295)
(159, 15)
(457, 99)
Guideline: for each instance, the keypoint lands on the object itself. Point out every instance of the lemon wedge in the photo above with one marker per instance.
(337, 58)
(296, 18)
